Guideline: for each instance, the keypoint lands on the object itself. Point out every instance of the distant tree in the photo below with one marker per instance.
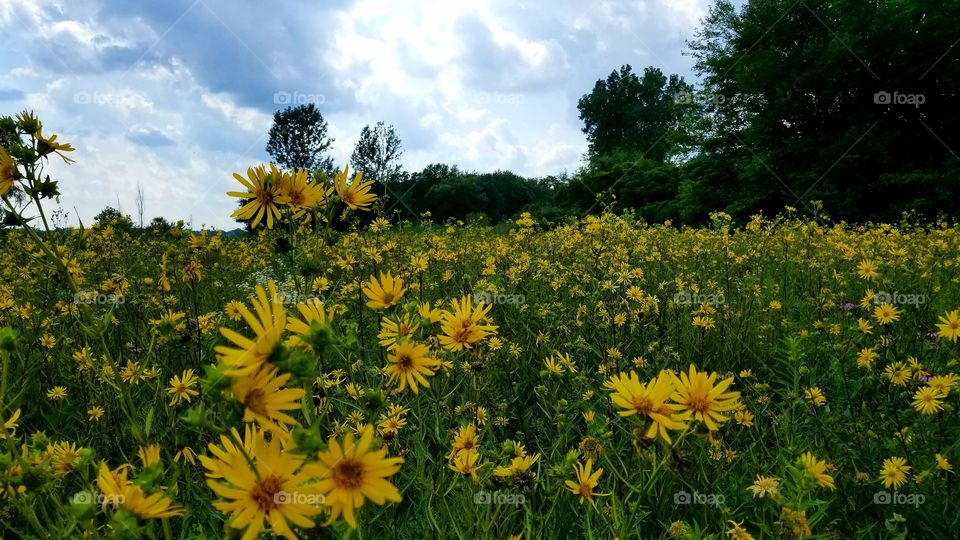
(409, 192)
(8, 134)
(629, 113)
(419, 182)
(107, 215)
(159, 225)
(378, 153)
(450, 194)
(624, 180)
(298, 139)
(455, 198)
(112, 216)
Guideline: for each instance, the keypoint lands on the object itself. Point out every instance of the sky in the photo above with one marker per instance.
(173, 96)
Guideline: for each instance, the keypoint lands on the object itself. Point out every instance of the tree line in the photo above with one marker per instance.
(849, 106)
(844, 105)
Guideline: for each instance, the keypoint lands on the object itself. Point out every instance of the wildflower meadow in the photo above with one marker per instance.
(334, 373)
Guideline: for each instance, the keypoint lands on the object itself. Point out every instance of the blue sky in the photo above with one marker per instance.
(176, 95)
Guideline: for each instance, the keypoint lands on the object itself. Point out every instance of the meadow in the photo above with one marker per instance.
(338, 374)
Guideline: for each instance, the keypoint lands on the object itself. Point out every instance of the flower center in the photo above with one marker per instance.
(255, 402)
(642, 404)
(463, 336)
(265, 491)
(265, 198)
(405, 361)
(348, 474)
(699, 403)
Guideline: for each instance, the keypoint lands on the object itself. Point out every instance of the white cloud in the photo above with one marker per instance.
(177, 99)
(111, 167)
(243, 117)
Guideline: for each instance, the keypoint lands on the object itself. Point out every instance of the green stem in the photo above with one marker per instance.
(3, 382)
(43, 246)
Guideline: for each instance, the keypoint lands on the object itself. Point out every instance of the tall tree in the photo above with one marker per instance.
(378, 153)
(298, 139)
(633, 114)
(843, 101)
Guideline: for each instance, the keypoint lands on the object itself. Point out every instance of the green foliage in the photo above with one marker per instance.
(378, 153)
(447, 193)
(629, 113)
(159, 225)
(843, 101)
(298, 139)
(624, 180)
(112, 216)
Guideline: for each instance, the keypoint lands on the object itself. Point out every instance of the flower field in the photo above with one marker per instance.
(334, 374)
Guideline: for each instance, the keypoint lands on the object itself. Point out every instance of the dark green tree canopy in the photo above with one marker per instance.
(298, 139)
(114, 217)
(448, 193)
(622, 180)
(378, 153)
(629, 113)
(849, 102)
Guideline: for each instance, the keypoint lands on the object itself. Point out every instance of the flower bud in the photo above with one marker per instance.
(8, 339)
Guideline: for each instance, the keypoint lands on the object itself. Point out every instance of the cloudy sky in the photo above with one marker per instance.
(175, 95)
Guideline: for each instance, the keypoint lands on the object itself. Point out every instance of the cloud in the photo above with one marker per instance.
(11, 94)
(246, 118)
(177, 95)
(149, 137)
(498, 59)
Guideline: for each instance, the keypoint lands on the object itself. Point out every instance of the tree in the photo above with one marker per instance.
(115, 218)
(448, 193)
(627, 113)
(409, 193)
(298, 139)
(624, 180)
(159, 224)
(378, 153)
(846, 102)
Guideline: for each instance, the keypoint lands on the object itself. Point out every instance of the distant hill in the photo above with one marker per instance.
(232, 233)
(240, 231)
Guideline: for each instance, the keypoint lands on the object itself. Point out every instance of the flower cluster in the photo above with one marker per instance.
(273, 194)
(781, 378)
